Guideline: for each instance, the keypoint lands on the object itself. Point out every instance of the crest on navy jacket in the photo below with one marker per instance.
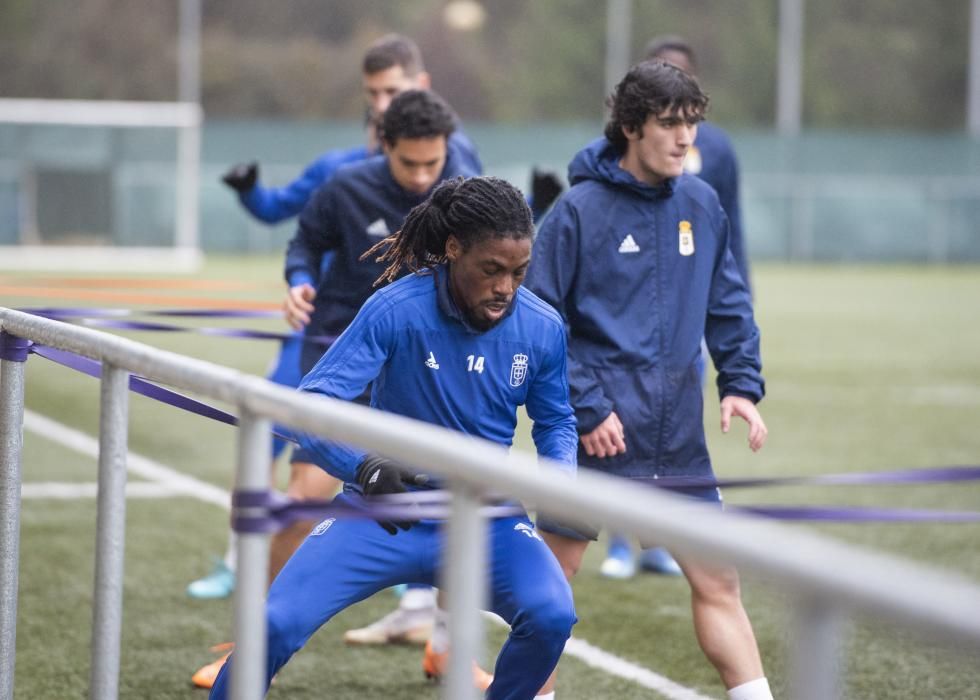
(518, 370)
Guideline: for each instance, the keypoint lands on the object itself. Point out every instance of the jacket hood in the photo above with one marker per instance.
(600, 161)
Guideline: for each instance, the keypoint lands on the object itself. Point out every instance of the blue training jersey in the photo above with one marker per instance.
(427, 363)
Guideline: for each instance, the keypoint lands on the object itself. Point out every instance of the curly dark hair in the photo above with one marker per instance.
(472, 210)
(416, 114)
(653, 88)
(393, 50)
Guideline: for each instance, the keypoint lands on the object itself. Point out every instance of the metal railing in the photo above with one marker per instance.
(938, 605)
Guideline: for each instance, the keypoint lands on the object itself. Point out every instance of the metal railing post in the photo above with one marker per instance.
(248, 672)
(815, 658)
(464, 580)
(110, 533)
(13, 353)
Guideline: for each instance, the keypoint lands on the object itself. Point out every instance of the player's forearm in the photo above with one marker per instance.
(272, 204)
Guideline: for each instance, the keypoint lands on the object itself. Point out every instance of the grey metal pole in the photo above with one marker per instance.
(110, 534)
(13, 352)
(815, 658)
(188, 137)
(619, 41)
(248, 672)
(466, 586)
(789, 90)
(189, 52)
(973, 82)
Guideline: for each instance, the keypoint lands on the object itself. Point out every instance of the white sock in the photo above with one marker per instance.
(753, 690)
(418, 599)
(440, 632)
(546, 696)
(231, 554)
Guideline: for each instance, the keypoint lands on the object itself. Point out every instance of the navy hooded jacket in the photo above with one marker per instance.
(641, 274)
(358, 207)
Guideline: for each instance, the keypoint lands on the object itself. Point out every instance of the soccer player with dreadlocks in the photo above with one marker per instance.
(461, 344)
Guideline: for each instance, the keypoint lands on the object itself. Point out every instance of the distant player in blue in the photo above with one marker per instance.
(460, 344)
(712, 158)
(636, 258)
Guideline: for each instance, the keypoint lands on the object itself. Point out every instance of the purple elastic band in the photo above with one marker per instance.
(120, 324)
(69, 312)
(14, 349)
(840, 514)
(918, 475)
(399, 507)
(141, 386)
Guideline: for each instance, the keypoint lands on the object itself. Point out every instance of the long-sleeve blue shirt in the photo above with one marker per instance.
(641, 274)
(427, 363)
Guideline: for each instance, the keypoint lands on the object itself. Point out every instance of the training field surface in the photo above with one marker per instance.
(868, 368)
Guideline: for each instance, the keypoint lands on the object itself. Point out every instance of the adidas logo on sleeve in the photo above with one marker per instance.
(629, 245)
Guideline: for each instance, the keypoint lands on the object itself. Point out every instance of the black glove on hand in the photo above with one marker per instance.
(242, 177)
(545, 188)
(378, 476)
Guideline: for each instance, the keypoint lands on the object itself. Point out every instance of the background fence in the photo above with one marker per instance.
(821, 196)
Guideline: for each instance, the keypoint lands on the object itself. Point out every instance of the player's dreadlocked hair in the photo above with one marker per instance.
(652, 88)
(471, 209)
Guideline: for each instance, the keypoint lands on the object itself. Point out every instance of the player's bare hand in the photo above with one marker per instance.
(299, 305)
(606, 440)
(746, 410)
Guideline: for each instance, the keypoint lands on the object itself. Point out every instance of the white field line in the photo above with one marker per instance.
(136, 464)
(69, 490)
(178, 483)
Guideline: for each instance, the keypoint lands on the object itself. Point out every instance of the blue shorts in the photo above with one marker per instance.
(583, 532)
(344, 561)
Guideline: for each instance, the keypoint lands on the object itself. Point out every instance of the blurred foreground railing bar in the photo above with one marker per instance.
(938, 605)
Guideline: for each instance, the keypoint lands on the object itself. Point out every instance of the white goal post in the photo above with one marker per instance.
(27, 252)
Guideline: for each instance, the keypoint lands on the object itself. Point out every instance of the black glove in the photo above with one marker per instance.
(545, 188)
(242, 177)
(378, 476)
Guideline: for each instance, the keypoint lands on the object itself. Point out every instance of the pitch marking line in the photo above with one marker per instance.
(73, 490)
(136, 464)
(182, 484)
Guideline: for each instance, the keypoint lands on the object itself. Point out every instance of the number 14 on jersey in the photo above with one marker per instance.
(474, 363)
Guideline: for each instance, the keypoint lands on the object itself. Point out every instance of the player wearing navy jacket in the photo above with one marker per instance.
(459, 344)
(636, 258)
(391, 65)
(712, 158)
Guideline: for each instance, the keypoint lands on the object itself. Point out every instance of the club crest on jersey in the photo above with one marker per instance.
(323, 527)
(518, 370)
(685, 238)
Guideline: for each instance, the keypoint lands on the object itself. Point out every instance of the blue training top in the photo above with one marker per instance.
(427, 363)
